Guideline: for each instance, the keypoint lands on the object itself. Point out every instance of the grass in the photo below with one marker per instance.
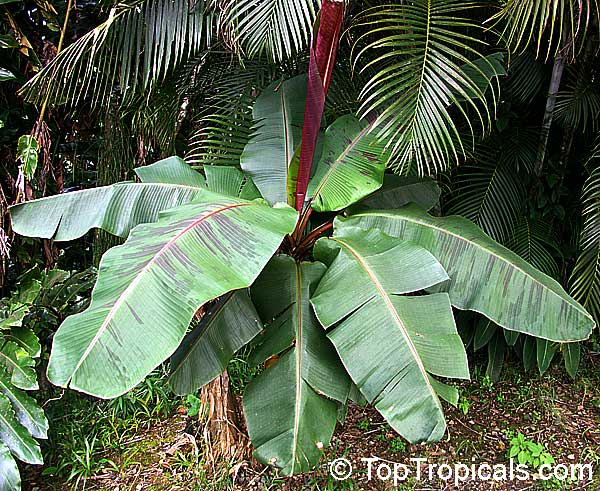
(85, 432)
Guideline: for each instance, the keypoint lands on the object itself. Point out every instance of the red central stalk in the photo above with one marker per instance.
(322, 59)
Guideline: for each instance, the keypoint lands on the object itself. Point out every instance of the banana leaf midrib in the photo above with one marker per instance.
(298, 354)
(131, 287)
(385, 297)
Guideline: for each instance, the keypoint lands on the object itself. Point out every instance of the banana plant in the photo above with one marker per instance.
(332, 270)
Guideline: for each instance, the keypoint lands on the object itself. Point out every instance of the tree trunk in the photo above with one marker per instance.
(225, 428)
(557, 71)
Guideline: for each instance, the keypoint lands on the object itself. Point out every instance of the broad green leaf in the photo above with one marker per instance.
(172, 170)
(529, 352)
(6, 75)
(572, 356)
(485, 276)
(15, 317)
(484, 332)
(205, 352)
(278, 116)
(398, 191)
(448, 393)
(281, 295)
(10, 480)
(510, 337)
(27, 153)
(545, 353)
(230, 181)
(351, 165)
(116, 209)
(389, 343)
(300, 420)
(288, 422)
(149, 288)
(481, 72)
(19, 365)
(16, 437)
(26, 408)
(26, 339)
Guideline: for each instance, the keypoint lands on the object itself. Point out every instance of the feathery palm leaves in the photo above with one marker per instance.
(277, 28)
(585, 279)
(226, 91)
(428, 65)
(548, 25)
(578, 103)
(490, 190)
(137, 46)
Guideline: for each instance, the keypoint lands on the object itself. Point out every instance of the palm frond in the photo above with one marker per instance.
(490, 189)
(225, 92)
(429, 73)
(578, 103)
(546, 25)
(526, 77)
(275, 28)
(136, 47)
(156, 119)
(532, 240)
(584, 283)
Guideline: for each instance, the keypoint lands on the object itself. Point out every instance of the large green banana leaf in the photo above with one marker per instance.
(398, 191)
(278, 116)
(391, 344)
(205, 352)
(351, 165)
(116, 209)
(149, 288)
(230, 181)
(172, 170)
(291, 392)
(485, 276)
